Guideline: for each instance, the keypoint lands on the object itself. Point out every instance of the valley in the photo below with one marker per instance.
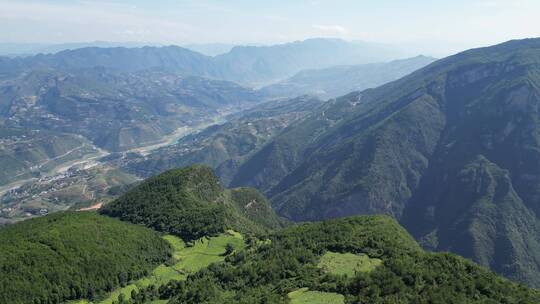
(80, 182)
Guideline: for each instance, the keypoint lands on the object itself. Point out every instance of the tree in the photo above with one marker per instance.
(229, 248)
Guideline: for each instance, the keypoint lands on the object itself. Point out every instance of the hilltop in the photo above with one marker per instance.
(191, 203)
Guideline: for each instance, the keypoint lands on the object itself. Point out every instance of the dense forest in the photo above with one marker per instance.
(191, 203)
(267, 271)
(364, 259)
(72, 255)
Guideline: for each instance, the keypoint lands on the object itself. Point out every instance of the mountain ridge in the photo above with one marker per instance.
(242, 64)
(394, 149)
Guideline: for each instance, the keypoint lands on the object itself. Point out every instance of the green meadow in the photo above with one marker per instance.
(305, 296)
(347, 263)
(186, 259)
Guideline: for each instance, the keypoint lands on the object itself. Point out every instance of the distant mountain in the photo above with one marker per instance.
(227, 145)
(116, 111)
(30, 49)
(191, 203)
(49, 117)
(339, 80)
(25, 153)
(210, 49)
(265, 64)
(253, 65)
(117, 59)
(451, 150)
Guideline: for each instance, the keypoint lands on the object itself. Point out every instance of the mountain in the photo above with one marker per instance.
(249, 65)
(191, 203)
(30, 49)
(116, 111)
(361, 259)
(265, 64)
(339, 80)
(210, 49)
(71, 255)
(96, 259)
(450, 150)
(226, 145)
(119, 59)
(25, 153)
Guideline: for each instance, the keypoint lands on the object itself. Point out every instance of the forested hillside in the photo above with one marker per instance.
(225, 146)
(450, 150)
(191, 203)
(73, 255)
(366, 259)
(295, 258)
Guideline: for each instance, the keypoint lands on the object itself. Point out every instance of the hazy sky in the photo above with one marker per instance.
(437, 25)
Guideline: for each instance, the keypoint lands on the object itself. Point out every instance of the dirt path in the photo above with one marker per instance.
(93, 207)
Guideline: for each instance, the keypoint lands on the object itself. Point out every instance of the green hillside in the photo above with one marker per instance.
(191, 203)
(91, 258)
(74, 255)
(225, 146)
(451, 150)
(284, 268)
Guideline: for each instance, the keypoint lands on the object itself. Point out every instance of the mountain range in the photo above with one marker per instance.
(451, 151)
(339, 80)
(92, 101)
(248, 65)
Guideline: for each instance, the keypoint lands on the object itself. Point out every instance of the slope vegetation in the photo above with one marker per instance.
(73, 255)
(191, 203)
(284, 269)
(451, 150)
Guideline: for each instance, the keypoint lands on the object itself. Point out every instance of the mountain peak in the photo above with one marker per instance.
(191, 203)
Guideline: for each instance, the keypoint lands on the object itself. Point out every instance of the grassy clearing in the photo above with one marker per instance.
(305, 296)
(188, 259)
(206, 251)
(347, 263)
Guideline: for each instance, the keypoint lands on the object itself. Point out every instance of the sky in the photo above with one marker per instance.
(435, 26)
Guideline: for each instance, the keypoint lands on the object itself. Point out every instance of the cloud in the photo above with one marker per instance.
(331, 29)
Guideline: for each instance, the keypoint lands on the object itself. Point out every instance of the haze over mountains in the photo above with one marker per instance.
(120, 98)
(243, 64)
(339, 80)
